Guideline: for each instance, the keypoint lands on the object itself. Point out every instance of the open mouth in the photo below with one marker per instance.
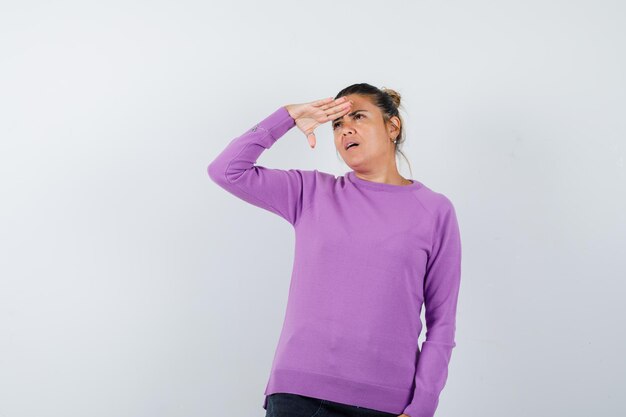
(351, 145)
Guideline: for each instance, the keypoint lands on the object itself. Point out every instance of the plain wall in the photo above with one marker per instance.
(132, 285)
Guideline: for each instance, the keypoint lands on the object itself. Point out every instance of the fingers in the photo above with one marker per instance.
(334, 103)
(336, 108)
(332, 109)
(337, 111)
(311, 138)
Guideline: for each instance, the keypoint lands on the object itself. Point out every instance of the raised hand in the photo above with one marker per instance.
(309, 116)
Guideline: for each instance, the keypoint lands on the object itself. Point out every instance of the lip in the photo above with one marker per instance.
(346, 141)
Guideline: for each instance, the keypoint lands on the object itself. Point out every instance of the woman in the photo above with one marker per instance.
(372, 247)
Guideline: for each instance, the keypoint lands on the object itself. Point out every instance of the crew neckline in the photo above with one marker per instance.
(381, 186)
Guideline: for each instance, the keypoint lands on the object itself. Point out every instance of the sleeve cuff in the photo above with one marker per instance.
(423, 404)
(277, 124)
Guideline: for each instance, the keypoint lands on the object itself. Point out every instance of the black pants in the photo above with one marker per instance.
(295, 405)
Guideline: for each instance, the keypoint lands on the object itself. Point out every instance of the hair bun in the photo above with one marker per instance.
(394, 95)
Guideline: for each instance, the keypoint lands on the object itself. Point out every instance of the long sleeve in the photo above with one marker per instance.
(441, 290)
(283, 192)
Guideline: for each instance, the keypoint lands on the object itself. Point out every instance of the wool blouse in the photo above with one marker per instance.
(368, 257)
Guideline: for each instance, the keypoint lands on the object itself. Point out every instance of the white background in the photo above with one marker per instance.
(132, 285)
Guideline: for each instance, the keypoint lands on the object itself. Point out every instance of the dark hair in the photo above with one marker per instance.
(387, 100)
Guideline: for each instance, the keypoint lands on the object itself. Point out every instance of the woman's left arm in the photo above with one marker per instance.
(441, 290)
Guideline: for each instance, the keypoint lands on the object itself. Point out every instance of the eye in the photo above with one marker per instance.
(358, 115)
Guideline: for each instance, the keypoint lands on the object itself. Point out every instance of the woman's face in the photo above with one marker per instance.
(364, 124)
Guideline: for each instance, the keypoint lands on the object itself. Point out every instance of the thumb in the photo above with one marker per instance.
(311, 138)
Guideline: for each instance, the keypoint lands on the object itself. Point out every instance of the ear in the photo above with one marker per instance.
(393, 127)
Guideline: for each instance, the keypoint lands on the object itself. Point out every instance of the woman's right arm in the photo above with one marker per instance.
(283, 192)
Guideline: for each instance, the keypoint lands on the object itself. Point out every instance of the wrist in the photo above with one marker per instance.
(290, 110)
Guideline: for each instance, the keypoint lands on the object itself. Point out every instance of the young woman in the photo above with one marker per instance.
(372, 248)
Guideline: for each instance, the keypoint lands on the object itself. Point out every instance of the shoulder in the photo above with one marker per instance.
(433, 201)
(315, 174)
(444, 222)
(313, 178)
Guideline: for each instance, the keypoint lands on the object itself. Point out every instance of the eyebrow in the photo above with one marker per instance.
(351, 114)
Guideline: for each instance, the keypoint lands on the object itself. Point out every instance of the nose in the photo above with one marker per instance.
(346, 128)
